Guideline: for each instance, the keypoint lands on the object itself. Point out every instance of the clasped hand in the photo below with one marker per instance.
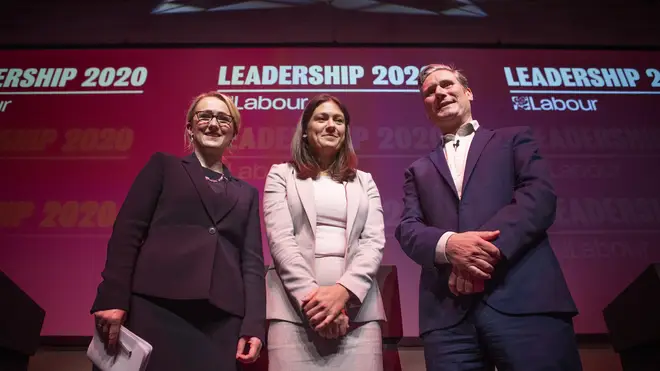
(323, 309)
(473, 258)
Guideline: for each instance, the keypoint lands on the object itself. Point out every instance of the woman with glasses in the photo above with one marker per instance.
(184, 268)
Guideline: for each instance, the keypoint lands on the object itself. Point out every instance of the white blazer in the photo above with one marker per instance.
(290, 218)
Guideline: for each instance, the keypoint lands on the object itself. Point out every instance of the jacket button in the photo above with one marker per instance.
(212, 230)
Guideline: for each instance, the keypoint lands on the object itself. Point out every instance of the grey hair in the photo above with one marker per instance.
(427, 70)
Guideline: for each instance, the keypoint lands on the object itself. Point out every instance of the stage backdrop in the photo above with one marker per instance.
(77, 126)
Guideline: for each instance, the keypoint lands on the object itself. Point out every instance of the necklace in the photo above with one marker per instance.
(222, 178)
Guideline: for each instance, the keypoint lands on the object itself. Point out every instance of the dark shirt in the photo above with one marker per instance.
(217, 181)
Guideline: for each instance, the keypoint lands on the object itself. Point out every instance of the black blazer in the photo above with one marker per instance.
(175, 238)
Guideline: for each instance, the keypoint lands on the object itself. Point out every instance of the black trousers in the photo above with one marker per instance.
(186, 335)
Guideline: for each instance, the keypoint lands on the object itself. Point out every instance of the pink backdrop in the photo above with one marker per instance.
(71, 148)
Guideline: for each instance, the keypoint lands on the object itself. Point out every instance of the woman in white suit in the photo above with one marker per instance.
(324, 222)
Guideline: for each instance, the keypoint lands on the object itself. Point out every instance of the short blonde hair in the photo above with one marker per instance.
(427, 70)
(233, 112)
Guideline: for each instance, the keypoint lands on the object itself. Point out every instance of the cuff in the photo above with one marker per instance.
(440, 256)
(353, 300)
(255, 329)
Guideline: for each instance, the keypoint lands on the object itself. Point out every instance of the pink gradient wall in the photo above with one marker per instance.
(72, 150)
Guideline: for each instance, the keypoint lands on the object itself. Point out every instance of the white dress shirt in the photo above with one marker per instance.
(456, 152)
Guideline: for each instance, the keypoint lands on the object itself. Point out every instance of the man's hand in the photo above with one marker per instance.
(463, 284)
(253, 354)
(108, 324)
(472, 253)
(324, 304)
(336, 329)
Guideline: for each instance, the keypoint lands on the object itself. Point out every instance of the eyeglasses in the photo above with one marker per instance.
(205, 117)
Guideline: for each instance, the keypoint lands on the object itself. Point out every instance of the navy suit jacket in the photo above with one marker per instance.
(506, 187)
(175, 238)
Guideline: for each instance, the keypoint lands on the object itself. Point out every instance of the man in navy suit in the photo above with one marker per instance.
(476, 214)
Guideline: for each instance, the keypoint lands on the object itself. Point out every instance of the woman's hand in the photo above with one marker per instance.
(108, 324)
(324, 304)
(336, 329)
(253, 354)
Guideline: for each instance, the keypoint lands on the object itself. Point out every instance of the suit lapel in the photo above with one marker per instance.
(353, 193)
(481, 138)
(194, 170)
(305, 190)
(226, 203)
(440, 162)
(216, 207)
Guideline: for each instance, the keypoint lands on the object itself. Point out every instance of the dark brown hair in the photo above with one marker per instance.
(343, 168)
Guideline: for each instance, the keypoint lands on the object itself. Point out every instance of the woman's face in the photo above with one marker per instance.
(326, 129)
(212, 126)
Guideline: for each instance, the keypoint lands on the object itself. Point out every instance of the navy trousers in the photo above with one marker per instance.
(487, 338)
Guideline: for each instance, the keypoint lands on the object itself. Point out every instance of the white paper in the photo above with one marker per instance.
(132, 352)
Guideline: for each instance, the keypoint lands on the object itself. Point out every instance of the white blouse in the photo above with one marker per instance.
(330, 203)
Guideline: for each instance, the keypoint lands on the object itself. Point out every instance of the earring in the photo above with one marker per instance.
(304, 135)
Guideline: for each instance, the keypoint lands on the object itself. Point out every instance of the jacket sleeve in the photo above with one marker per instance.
(366, 259)
(129, 231)
(533, 207)
(417, 239)
(296, 274)
(252, 268)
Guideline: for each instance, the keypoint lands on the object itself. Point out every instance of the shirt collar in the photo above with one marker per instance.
(464, 130)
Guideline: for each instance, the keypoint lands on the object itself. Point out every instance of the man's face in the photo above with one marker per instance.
(446, 102)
